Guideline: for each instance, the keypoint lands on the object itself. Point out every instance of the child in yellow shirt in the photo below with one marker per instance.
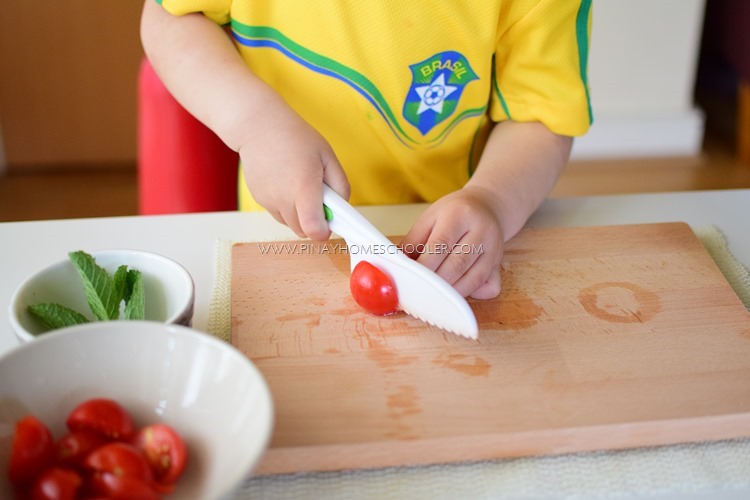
(471, 106)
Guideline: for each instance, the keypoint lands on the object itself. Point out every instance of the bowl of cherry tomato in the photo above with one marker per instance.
(130, 409)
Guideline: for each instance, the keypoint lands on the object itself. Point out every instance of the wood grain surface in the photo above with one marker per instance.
(602, 338)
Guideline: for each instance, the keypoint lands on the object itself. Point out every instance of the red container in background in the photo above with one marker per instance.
(183, 166)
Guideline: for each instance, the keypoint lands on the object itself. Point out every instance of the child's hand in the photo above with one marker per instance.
(285, 167)
(451, 232)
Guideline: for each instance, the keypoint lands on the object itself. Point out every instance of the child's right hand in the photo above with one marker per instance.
(285, 165)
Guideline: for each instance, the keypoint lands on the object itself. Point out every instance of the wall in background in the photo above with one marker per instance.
(69, 69)
(642, 69)
(68, 84)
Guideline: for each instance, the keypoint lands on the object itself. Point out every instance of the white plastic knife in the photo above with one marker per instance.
(421, 292)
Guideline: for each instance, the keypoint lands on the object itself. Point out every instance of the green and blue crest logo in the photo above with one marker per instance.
(437, 85)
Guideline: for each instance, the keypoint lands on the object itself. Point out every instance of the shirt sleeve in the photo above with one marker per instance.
(540, 71)
(216, 10)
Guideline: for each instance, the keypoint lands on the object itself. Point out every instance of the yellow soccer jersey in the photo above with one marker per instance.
(406, 91)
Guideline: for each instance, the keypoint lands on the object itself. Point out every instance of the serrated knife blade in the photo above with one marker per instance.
(421, 292)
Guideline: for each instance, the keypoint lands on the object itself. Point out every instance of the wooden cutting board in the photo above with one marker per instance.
(602, 338)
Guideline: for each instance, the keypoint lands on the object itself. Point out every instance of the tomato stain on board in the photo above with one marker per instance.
(403, 401)
(513, 311)
(402, 404)
(317, 301)
(472, 365)
(298, 317)
(620, 302)
(377, 350)
(406, 326)
(311, 321)
(349, 308)
(388, 359)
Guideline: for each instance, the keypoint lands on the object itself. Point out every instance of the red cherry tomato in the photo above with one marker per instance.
(121, 459)
(104, 416)
(57, 483)
(372, 289)
(110, 485)
(32, 451)
(101, 457)
(73, 448)
(165, 451)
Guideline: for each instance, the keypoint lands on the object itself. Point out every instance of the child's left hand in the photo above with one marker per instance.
(462, 240)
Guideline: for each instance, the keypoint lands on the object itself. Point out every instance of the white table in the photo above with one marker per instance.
(190, 239)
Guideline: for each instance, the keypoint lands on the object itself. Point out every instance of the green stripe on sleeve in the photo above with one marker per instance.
(496, 89)
(582, 38)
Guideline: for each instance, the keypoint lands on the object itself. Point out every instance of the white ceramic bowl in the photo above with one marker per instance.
(170, 292)
(204, 388)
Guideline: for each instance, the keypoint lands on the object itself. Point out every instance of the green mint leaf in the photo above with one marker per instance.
(131, 277)
(56, 316)
(120, 283)
(98, 286)
(135, 306)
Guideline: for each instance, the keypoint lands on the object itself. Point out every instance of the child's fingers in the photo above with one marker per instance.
(289, 217)
(482, 279)
(335, 177)
(460, 239)
(429, 236)
(418, 234)
(309, 212)
(458, 261)
(490, 288)
(445, 233)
